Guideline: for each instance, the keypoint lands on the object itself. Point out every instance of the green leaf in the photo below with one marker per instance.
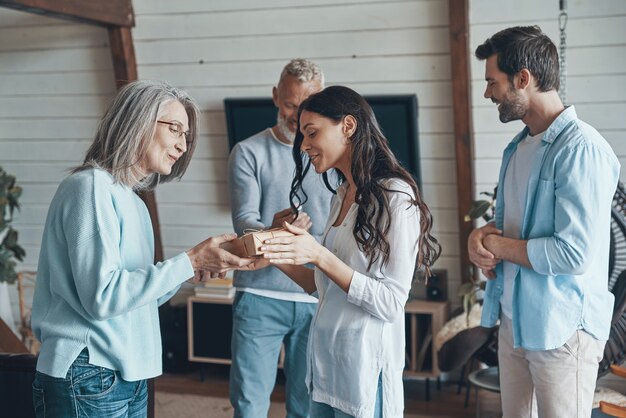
(10, 250)
(465, 289)
(479, 208)
(7, 267)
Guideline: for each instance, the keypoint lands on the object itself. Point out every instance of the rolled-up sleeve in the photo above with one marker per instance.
(581, 206)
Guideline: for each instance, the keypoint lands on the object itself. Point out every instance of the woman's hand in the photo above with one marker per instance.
(299, 249)
(209, 258)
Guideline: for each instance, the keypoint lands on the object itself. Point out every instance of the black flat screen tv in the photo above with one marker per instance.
(396, 115)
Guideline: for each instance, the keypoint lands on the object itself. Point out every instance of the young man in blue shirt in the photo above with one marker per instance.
(548, 250)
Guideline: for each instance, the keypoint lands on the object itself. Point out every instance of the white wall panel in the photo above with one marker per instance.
(360, 43)
(58, 35)
(47, 128)
(96, 59)
(311, 19)
(68, 82)
(57, 106)
(437, 145)
(160, 7)
(30, 150)
(511, 13)
(343, 71)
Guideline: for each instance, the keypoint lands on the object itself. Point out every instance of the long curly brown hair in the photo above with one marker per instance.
(372, 164)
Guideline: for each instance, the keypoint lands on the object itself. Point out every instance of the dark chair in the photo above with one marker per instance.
(615, 350)
(17, 372)
(464, 350)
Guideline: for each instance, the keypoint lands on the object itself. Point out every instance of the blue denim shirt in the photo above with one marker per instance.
(567, 224)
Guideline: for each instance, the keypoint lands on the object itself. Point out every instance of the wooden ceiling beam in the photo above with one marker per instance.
(98, 12)
(123, 55)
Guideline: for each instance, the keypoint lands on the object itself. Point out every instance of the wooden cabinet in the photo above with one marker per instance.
(209, 329)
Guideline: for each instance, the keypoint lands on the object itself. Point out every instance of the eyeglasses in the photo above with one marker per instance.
(176, 129)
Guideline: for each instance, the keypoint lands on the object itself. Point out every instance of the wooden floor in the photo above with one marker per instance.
(443, 403)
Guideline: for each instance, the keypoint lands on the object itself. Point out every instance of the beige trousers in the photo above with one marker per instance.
(551, 383)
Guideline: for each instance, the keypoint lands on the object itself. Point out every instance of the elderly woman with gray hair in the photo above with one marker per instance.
(95, 308)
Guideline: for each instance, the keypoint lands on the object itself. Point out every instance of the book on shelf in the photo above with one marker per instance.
(216, 288)
(219, 295)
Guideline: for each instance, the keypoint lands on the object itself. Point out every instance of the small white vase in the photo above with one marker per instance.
(6, 311)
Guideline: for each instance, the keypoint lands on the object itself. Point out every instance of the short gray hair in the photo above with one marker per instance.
(128, 126)
(303, 70)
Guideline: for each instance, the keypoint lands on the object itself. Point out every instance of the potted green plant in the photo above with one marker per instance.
(10, 250)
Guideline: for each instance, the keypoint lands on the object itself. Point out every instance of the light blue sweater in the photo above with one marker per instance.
(97, 286)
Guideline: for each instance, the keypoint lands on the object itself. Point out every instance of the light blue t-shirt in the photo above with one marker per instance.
(566, 221)
(97, 285)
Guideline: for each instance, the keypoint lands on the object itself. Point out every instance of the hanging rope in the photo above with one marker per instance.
(562, 48)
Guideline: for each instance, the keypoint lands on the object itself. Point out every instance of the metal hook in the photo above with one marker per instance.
(562, 21)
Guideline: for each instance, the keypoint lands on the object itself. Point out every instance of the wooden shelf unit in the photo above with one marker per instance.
(200, 332)
(422, 359)
(209, 341)
(216, 350)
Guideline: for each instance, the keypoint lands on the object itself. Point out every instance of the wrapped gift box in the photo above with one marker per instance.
(248, 245)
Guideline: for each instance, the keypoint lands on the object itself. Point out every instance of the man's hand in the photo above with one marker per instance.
(478, 254)
(258, 264)
(303, 221)
(200, 276)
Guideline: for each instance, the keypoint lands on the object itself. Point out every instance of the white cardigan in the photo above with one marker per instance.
(357, 336)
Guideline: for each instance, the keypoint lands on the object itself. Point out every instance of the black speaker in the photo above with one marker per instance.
(437, 286)
(174, 339)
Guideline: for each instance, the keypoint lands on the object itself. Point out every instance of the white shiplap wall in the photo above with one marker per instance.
(56, 77)
(596, 71)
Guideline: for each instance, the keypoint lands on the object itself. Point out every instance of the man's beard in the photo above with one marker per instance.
(283, 128)
(512, 107)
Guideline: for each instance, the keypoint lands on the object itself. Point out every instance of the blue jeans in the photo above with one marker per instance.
(322, 410)
(89, 391)
(260, 325)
